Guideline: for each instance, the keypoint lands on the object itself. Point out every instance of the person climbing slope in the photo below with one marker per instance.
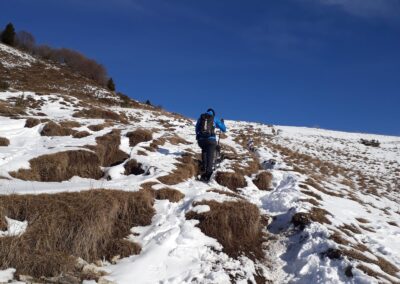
(206, 138)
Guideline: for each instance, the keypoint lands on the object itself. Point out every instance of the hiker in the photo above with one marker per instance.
(206, 138)
(250, 145)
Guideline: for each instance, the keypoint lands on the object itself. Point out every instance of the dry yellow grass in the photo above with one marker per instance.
(89, 224)
(61, 166)
(236, 225)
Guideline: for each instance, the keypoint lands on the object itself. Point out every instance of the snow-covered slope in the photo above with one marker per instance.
(332, 208)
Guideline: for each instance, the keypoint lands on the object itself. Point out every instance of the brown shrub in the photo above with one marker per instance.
(32, 122)
(338, 238)
(155, 144)
(187, 167)
(3, 222)
(313, 194)
(107, 149)
(227, 193)
(171, 194)
(316, 185)
(80, 134)
(148, 185)
(61, 166)
(302, 219)
(89, 224)
(362, 220)
(141, 153)
(332, 253)
(100, 113)
(236, 225)
(233, 181)
(373, 273)
(132, 167)
(175, 140)
(385, 265)
(350, 229)
(4, 141)
(69, 124)
(97, 127)
(319, 215)
(310, 200)
(53, 129)
(263, 180)
(138, 136)
(9, 110)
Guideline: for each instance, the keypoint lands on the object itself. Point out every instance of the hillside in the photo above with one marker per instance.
(96, 188)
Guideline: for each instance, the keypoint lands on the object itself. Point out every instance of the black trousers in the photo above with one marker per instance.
(207, 154)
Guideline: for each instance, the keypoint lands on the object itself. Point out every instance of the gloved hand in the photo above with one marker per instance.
(222, 120)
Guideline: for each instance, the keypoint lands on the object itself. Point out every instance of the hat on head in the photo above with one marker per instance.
(211, 110)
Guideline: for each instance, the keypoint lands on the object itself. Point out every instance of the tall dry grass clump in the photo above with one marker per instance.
(233, 181)
(132, 167)
(187, 167)
(100, 113)
(53, 129)
(237, 225)
(61, 166)
(4, 141)
(107, 149)
(61, 227)
(31, 122)
(263, 181)
(138, 136)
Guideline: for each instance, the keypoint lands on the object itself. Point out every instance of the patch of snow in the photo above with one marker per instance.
(201, 209)
(15, 228)
(7, 275)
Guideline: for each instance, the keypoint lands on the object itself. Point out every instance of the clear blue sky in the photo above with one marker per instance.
(328, 63)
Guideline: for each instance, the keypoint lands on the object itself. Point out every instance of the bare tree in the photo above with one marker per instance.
(25, 41)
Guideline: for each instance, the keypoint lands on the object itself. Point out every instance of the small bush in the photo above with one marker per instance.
(187, 167)
(302, 219)
(107, 149)
(69, 124)
(8, 110)
(61, 166)
(4, 141)
(101, 114)
(171, 194)
(89, 224)
(4, 86)
(236, 225)
(96, 127)
(263, 181)
(233, 181)
(53, 129)
(80, 134)
(132, 167)
(372, 143)
(32, 122)
(138, 136)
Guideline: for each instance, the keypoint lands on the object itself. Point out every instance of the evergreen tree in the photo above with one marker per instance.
(111, 85)
(8, 35)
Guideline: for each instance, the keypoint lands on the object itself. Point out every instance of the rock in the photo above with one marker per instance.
(80, 263)
(91, 271)
(26, 279)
